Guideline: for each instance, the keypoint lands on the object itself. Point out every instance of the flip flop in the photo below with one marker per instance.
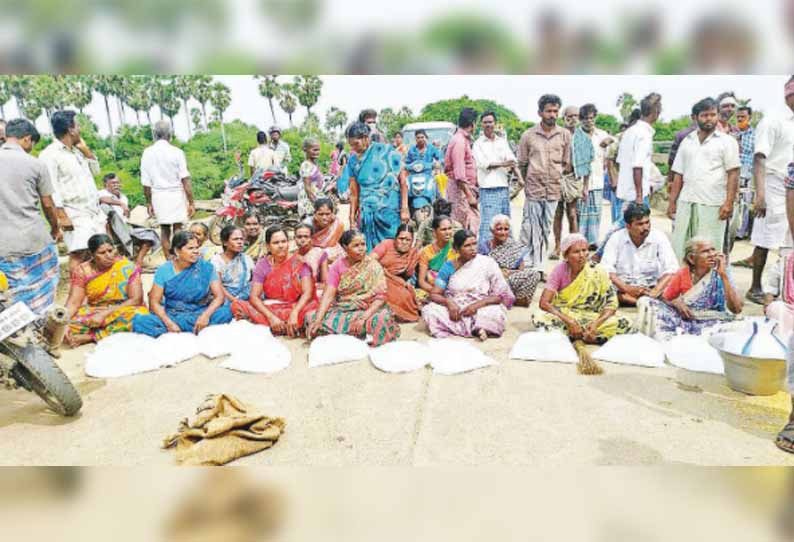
(554, 256)
(743, 263)
(785, 439)
(754, 297)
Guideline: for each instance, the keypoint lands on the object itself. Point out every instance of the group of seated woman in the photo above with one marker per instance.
(329, 284)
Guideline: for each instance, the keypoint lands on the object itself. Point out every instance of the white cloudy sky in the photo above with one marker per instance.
(519, 93)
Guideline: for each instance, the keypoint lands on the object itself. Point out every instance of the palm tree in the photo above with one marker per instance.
(184, 87)
(270, 90)
(203, 93)
(287, 101)
(103, 84)
(5, 94)
(164, 95)
(221, 100)
(307, 89)
(80, 91)
(335, 118)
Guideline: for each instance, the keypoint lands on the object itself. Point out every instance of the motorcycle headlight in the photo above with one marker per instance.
(418, 166)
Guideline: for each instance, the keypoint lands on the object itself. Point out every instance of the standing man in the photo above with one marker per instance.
(544, 152)
(461, 171)
(728, 105)
(261, 156)
(28, 256)
(72, 167)
(282, 156)
(635, 155)
(571, 183)
(589, 208)
(774, 141)
(707, 167)
(370, 118)
(494, 159)
(746, 137)
(399, 145)
(166, 184)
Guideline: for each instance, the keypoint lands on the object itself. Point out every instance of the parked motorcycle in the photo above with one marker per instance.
(422, 190)
(270, 194)
(24, 360)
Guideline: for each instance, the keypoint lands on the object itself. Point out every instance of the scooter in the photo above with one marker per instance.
(25, 361)
(422, 190)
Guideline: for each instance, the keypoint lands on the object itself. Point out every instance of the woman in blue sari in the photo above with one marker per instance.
(234, 267)
(186, 295)
(378, 189)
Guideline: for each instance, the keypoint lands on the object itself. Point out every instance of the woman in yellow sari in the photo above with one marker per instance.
(105, 294)
(433, 257)
(579, 298)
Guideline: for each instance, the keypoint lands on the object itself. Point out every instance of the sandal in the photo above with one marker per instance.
(743, 263)
(785, 439)
(754, 297)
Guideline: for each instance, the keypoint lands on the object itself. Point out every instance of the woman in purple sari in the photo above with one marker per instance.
(186, 295)
(470, 296)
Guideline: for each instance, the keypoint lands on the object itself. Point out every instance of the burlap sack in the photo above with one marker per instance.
(570, 187)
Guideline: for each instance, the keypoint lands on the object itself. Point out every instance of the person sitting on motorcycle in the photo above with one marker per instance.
(262, 156)
(254, 244)
(311, 177)
(427, 156)
(105, 294)
(115, 204)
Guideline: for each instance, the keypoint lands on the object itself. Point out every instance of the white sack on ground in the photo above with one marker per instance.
(633, 349)
(544, 346)
(174, 348)
(693, 353)
(332, 349)
(454, 356)
(216, 341)
(400, 356)
(122, 354)
(258, 355)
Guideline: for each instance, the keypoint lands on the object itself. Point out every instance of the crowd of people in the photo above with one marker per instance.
(460, 269)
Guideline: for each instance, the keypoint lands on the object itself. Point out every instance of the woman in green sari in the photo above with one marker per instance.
(579, 298)
(433, 257)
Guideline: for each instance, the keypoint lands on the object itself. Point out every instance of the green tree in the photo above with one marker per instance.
(80, 91)
(19, 87)
(307, 89)
(203, 93)
(448, 110)
(164, 94)
(270, 90)
(393, 122)
(221, 100)
(287, 101)
(607, 123)
(626, 103)
(104, 85)
(335, 118)
(48, 92)
(184, 89)
(5, 94)
(195, 116)
(138, 97)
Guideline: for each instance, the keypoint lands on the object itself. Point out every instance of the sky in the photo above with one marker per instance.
(520, 93)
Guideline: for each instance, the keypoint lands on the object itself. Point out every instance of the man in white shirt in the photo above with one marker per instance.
(72, 167)
(705, 181)
(640, 262)
(636, 152)
(494, 159)
(282, 155)
(588, 209)
(774, 150)
(166, 184)
(261, 157)
(115, 204)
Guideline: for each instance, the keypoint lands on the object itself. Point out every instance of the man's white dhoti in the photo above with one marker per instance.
(85, 225)
(170, 206)
(770, 231)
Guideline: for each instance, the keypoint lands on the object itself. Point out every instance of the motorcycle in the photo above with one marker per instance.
(422, 190)
(269, 194)
(25, 361)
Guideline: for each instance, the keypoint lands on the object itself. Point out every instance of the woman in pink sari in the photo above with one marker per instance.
(470, 296)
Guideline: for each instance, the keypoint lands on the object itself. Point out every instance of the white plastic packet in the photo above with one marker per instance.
(544, 346)
(220, 340)
(259, 355)
(174, 348)
(400, 356)
(122, 354)
(632, 349)
(693, 353)
(332, 349)
(455, 356)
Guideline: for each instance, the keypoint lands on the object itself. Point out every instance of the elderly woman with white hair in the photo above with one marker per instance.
(510, 255)
(579, 298)
(700, 295)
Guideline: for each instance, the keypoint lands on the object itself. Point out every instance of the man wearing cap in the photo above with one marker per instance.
(774, 150)
(282, 157)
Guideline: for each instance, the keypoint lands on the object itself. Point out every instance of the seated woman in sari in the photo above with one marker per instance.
(509, 254)
(354, 300)
(233, 266)
(579, 298)
(207, 248)
(399, 260)
(470, 296)
(254, 244)
(105, 294)
(282, 292)
(186, 294)
(433, 257)
(698, 296)
(327, 229)
(779, 293)
(378, 189)
(316, 258)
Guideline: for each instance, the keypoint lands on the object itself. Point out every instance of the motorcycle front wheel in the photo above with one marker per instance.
(36, 371)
